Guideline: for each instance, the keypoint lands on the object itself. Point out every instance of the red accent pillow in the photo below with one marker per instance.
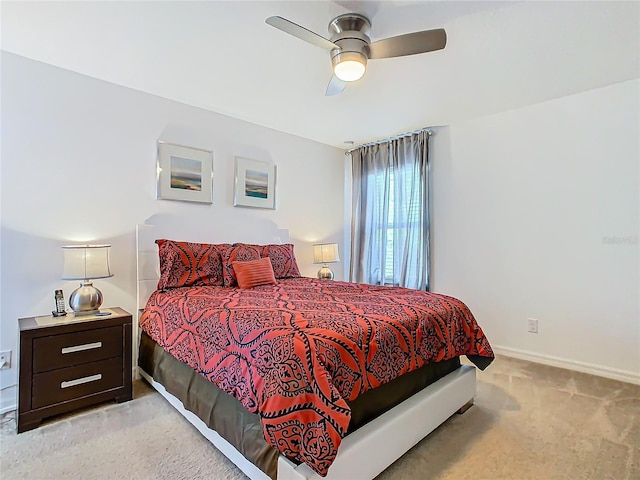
(282, 259)
(254, 272)
(183, 264)
(240, 252)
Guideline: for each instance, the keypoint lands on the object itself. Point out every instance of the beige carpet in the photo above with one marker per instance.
(529, 422)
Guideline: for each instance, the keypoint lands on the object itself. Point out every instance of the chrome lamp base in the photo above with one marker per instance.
(325, 273)
(86, 299)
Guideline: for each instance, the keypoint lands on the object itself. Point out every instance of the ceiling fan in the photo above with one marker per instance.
(351, 47)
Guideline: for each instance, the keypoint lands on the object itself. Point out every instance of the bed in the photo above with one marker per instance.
(299, 378)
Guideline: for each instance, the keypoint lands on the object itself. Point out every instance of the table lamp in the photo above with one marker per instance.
(86, 263)
(325, 253)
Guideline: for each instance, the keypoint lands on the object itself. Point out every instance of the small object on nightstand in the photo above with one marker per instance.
(59, 298)
(103, 314)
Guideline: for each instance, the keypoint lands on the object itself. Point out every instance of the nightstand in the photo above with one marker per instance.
(70, 362)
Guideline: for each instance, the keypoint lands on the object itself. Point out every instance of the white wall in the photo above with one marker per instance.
(535, 211)
(78, 165)
(536, 215)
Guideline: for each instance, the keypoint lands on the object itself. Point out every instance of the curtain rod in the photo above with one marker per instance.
(390, 139)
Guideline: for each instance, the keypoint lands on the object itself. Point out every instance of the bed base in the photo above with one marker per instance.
(369, 450)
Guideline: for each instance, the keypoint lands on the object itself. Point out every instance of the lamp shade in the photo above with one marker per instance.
(325, 253)
(83, 262)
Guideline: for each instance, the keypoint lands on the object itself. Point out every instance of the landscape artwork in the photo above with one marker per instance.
(186, 174)
(256, 184)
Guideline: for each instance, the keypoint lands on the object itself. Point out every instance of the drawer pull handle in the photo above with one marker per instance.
(80, 348)
(80, 381)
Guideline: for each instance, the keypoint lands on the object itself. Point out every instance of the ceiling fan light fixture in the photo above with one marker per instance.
(349, 70)
(349, 66)
(351, 47)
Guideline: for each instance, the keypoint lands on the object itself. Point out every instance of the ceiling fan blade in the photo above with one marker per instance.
(335, 87)
(409, 44)
(300, 32)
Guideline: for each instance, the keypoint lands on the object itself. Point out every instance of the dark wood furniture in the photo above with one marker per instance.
(67, 363)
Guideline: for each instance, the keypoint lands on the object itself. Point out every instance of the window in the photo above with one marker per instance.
(403, 215)
(390, 214)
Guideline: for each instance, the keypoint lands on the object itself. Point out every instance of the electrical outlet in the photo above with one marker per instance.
(533, 325)
(5, 360)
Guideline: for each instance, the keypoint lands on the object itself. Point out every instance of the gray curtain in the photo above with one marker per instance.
(390, 213)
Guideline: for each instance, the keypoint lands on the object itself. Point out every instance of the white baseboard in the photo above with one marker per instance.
(607, 372)
(8, 400)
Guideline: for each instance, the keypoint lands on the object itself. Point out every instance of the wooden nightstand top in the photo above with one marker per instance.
(45, 321)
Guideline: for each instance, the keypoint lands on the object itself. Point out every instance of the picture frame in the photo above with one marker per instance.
(184, 173)
(254, 184)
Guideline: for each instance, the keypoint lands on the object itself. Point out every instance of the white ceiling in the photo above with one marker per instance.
(221, 56)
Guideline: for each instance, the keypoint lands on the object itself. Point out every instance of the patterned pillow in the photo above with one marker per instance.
(239, 252)
(254, 272)
(282, 259)
(183, 264)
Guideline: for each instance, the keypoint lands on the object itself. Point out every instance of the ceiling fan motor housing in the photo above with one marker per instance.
(350, 33)
(350, 22)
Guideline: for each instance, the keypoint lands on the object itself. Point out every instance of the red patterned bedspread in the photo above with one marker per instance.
(293, 352)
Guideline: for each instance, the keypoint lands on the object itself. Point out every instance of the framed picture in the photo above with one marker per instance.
(255, 184)
(184, 173)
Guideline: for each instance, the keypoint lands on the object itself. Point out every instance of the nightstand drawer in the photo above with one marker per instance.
(73, 382)
(59, 351)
